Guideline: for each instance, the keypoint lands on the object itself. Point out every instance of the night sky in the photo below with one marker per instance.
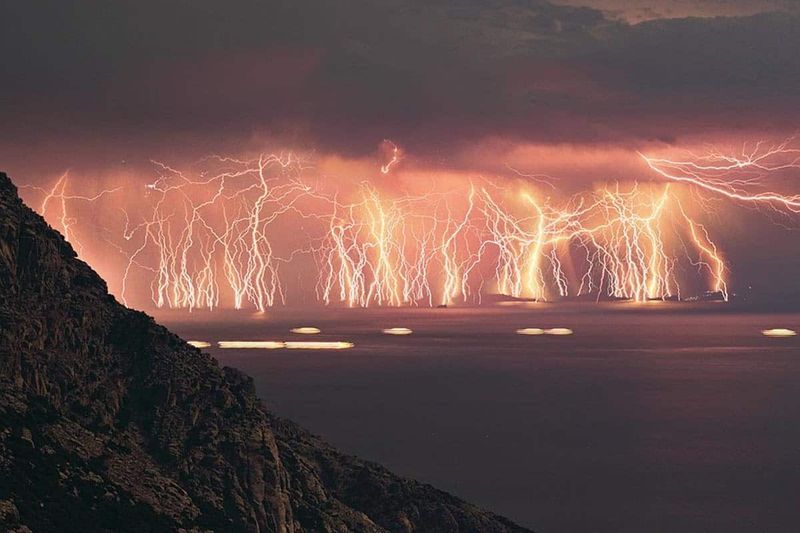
(572, 88)
(432, 75)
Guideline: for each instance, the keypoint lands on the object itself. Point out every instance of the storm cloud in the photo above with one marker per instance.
(433, 76)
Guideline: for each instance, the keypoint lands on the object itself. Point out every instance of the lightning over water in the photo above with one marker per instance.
(233, 232)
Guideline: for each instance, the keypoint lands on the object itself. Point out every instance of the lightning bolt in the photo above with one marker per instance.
(209, 236)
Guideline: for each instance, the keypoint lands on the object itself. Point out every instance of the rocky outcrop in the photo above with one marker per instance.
(109, 422)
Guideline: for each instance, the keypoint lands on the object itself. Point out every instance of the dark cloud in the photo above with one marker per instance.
(640, 10)
(345, 74)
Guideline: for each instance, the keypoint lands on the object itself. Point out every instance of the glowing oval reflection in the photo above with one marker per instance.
(318, 345)
(558, 331)
(397, 331)
(199, 344)
(779, 332)
(306, 330)
(530, 331)
(263, 345)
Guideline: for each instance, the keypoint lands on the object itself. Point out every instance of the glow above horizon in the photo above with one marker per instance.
(223, 237)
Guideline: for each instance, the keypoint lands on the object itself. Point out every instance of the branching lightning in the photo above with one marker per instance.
(739, 176)
(401, 252)
(201, 227)
(58, 195)
(227, 234)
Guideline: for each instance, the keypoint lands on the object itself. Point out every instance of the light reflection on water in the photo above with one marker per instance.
(305, 330)
(251, 345)
(318, 345)
(645, 421)
(779, 332)
(199, 344)
(397, 331)
(278, 345)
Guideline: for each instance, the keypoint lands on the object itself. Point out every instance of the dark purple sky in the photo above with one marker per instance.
(432, 75)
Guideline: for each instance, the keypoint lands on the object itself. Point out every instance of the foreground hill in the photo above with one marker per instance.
(109, 422)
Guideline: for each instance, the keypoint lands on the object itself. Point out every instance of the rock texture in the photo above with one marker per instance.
(109, 422)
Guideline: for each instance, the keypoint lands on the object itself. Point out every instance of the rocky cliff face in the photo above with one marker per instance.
(109, 422)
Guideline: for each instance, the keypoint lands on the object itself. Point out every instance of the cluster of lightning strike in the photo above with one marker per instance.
(394, 251)
(226, 235)
(631, 248)
(202, 235)
(741, 175)
(411, 250)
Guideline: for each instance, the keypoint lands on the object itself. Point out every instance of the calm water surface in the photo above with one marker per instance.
(642, 421)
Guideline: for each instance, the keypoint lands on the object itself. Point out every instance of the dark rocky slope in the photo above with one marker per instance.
(109, 422)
